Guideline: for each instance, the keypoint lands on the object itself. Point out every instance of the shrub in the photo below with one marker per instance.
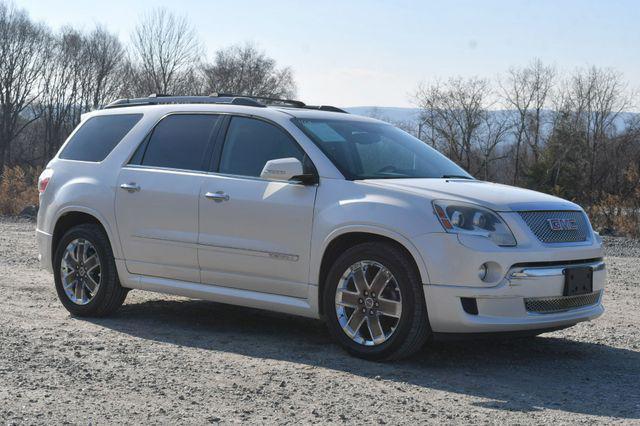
(620, 214)
(18, 189)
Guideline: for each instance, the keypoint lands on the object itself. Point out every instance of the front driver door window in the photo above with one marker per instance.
(250, 143)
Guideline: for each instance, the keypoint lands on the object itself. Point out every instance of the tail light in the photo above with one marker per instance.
(43, 180)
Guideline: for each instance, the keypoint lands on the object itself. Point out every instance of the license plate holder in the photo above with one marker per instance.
(577, 281)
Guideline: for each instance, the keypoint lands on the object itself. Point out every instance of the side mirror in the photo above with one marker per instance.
(283, 169)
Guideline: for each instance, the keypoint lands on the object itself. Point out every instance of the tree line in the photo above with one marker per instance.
(566, 135)
(570, 136)
(49, 78)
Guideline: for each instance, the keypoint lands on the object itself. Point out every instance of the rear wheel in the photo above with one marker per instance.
(374, 303)
(85, 272)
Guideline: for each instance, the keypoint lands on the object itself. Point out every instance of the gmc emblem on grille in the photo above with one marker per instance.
(562, 224)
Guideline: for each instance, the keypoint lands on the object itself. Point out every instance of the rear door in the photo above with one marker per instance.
(157, 197)
(254, 233)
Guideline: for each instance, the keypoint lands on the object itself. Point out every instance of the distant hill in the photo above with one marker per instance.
(395, 114)
(412, 115)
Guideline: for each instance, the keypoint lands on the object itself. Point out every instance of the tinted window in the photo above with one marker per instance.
(251, 143)
(181, 142)
(97, 137)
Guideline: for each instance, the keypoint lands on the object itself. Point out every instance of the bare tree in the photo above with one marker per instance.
(105, 61)
(589, 106)
(165, 52)
(22, 57)
(453, 113)
(81, 73)
(493, 134)
(526, 90)
(247, 71)
(58, 90)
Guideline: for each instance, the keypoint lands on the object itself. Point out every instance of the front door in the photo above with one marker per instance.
(157, 197)
(255, 234)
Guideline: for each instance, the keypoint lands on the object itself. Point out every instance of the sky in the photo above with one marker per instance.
(357, 52)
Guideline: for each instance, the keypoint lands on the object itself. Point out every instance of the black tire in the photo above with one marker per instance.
(413, 328)
(110, 294)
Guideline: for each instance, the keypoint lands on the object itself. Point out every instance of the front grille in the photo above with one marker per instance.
(539, 223)
(548, 305)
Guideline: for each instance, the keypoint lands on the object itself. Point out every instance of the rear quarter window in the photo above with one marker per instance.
(97, 137)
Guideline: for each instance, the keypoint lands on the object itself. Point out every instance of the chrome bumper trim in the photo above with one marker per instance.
(554, 271)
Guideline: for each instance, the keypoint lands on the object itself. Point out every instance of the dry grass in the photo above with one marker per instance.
(18, 189)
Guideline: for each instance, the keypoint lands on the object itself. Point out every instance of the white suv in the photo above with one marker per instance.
(308, 211)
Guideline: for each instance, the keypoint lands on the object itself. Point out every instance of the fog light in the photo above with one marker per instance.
(482, 271)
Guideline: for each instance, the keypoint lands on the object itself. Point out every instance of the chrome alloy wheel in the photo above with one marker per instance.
(368, 293)
(80, 271)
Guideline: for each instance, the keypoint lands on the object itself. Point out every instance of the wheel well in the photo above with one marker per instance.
(344, 242)
(68, 221)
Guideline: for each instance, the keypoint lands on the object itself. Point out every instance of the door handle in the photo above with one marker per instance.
(130, 187)
(218, 197)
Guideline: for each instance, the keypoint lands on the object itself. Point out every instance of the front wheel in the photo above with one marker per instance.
(374, 303)
(85, 272)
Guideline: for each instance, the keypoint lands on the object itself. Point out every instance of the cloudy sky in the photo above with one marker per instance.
(361, 52)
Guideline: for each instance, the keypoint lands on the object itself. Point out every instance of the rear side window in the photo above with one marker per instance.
(250, 143)
(181, 141)
(97, 137)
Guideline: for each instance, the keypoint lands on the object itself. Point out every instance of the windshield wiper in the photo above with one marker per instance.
(456, 177)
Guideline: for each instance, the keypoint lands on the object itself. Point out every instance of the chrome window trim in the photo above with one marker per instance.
(256, 178)
(213, 174)
(166, 169)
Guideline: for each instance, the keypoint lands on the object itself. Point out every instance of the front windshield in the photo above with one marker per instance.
(369, 150)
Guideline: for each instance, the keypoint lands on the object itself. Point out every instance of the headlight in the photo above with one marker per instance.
(462, 218)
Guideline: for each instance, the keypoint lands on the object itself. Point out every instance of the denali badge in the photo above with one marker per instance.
(562, 224)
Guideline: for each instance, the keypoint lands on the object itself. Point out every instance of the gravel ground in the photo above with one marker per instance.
(622, 247)
(171, 360)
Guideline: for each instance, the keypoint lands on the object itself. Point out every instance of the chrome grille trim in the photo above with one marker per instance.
(538, 222)
(549, 305)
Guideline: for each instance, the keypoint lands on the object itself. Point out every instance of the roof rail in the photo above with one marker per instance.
(326, 108)
(284, 102)
(269, 100)
(161, 99)
(218, 98)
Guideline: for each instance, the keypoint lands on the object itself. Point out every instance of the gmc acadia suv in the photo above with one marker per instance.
(308, 211)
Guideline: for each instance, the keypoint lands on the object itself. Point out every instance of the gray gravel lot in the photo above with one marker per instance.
(171, 360)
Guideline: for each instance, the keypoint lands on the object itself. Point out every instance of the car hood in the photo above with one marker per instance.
(492, 195)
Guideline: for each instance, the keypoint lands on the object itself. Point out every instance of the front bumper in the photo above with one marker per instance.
(530, 272)
(528, 298)
(44, 241)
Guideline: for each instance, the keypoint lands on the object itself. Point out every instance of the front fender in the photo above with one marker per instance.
(344, 206)
(318, 252)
